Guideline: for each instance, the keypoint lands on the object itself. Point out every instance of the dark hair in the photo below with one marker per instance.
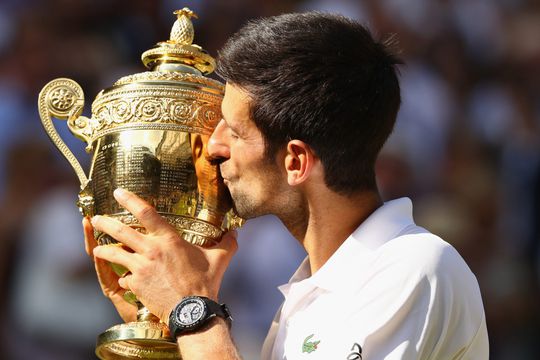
(322, 79)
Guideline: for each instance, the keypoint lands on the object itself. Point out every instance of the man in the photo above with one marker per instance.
(310, 99)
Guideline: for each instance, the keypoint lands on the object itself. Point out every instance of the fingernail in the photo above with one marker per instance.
(120, 194)
(94, 219)
(96, 250)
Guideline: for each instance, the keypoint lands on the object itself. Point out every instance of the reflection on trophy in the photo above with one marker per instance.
(148, 134)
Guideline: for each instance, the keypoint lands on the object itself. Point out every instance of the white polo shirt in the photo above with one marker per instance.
(391, 291)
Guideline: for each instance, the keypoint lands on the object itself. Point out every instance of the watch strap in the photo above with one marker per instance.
(220, 310)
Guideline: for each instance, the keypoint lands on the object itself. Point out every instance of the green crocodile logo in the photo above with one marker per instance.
(309, 346)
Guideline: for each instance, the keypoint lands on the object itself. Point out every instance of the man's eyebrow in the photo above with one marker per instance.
(224, 119)
(228, 124)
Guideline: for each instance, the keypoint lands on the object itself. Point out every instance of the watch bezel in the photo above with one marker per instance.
(182, 305)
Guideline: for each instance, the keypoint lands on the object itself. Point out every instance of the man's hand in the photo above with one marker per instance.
(164, 268)
(107, 277)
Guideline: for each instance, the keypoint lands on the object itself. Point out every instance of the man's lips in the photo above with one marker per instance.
(222, 175)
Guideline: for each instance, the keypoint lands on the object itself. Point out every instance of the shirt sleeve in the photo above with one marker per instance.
(420, 302)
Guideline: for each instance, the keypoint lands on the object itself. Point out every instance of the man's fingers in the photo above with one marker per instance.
(228, 242)
(119, 231)
(144, 212)
(89, 240)
(225, 249)
(108, 279)
(125, 281)
(117, 255)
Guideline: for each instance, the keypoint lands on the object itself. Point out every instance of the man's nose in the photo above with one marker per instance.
(217, 144)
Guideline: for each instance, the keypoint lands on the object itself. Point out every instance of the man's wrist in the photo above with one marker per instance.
(209, 326)
(214, 341)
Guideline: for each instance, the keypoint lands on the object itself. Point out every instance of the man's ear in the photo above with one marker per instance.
(299, 161)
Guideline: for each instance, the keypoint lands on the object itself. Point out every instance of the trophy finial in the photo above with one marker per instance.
(187, 12)
(182, 31)
(179, 53)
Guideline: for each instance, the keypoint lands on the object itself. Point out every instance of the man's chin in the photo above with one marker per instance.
(239, 213)
(245, 212)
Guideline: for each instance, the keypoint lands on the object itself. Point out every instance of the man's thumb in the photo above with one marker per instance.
(227, 247)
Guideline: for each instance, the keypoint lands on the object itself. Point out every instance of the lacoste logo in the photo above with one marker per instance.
(310, 346)
(356, 353)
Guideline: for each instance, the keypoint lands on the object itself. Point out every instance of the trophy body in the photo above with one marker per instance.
(148, 134)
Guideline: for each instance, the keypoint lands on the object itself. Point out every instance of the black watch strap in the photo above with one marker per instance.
(220, 310)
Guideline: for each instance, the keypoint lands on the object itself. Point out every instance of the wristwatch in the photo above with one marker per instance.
(193, 312)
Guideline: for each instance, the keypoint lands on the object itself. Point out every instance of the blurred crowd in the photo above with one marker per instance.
(466, 149)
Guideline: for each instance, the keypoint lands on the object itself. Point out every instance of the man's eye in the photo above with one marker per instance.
(234, 135)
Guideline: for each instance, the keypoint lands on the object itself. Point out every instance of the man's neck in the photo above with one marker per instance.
(329, 219)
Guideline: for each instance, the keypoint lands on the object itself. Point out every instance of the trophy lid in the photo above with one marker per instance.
(179, 51)
(173, 95)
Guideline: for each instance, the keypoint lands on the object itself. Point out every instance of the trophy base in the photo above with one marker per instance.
(137, 340)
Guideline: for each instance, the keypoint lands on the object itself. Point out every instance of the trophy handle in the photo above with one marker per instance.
(64, 99)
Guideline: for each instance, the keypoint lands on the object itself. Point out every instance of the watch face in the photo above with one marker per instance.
(191, 311)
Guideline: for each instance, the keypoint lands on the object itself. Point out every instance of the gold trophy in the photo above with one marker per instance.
(148, 134)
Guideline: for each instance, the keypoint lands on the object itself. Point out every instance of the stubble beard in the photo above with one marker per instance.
(246, 203)
(249, 204)
(245, 206)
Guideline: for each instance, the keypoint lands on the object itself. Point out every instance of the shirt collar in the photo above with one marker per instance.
(386, 223)
(302, 273)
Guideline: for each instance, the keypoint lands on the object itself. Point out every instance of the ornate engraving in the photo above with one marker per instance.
(207, 116)
(121, 111)
(86, 203)
(150, 109)
(170, 76)
(139, 352)
(233, 221)
(63, 99)
(194, 231)
(192, 110)
(143, 325)
(180, 109)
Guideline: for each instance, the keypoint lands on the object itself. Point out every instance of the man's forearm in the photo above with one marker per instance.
(214, 342)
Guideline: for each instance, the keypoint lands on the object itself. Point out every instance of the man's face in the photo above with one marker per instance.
(253, 179)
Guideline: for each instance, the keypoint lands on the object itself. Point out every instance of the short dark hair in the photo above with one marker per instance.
(320, 78)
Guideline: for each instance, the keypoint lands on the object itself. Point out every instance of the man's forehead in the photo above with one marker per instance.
(236, 102)
(236, 90)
